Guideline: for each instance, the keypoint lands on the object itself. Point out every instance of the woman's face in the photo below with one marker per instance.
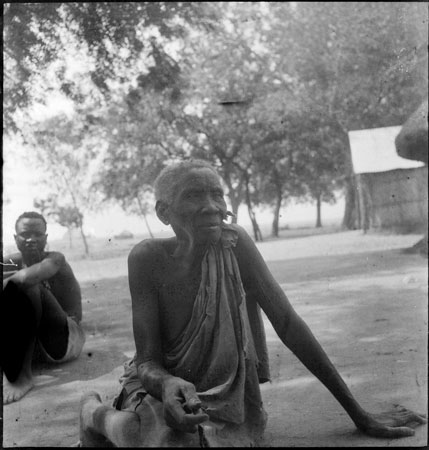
(198, 207)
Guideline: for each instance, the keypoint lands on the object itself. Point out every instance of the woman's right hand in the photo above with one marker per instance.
(182, 407)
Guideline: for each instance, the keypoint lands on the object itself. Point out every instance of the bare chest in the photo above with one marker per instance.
(176, 301)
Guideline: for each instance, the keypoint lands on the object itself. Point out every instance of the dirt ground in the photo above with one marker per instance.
(362, 296)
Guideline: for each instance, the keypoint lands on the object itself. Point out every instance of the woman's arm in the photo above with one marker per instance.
(297, 336)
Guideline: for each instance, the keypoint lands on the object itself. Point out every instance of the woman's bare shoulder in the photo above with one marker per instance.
(151, 248)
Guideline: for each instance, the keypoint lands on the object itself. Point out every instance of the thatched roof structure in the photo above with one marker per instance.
(412, 141)
(392, 190)
(373, 150)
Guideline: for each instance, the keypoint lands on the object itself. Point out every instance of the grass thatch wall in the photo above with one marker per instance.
(396, 200)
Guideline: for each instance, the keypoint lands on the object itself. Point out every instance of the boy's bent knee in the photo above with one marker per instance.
(18, 329)
(17, 287)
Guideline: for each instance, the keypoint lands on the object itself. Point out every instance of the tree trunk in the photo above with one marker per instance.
(234, 197)
(85, 243)
(147, 225)
(235, 204)
(351, 213)
(351, 218)
(256, 230)
(319, 210)
(363, 203)
(276, 219)
(278, 181)
(143, 213)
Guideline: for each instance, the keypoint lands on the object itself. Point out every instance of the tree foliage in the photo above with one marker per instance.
(116, 41)
(67, 152)
(362, 64)
(265, 91)
(223, 101)
(140, 139)
(67, 216)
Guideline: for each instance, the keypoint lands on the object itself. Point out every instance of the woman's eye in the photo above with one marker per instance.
(218, 195)
(192, 195)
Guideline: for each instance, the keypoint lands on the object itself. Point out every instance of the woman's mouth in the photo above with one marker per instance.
(209, 222)
(209, 227)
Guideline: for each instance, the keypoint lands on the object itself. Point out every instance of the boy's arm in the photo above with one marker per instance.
(173, 391)
(8, 273)
(71, 303)
(41, 271)
(297, 336)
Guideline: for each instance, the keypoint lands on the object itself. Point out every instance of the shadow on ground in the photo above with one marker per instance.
(368, 310)
(358, 264)
(109, 339)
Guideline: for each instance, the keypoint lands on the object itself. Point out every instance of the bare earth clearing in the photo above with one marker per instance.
(364, 299)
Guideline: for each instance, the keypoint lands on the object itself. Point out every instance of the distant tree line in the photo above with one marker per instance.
(266, 91)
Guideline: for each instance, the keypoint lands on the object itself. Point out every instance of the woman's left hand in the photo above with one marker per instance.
(396, 423)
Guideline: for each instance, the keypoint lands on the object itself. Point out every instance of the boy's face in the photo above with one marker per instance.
(31, 237)
(198, 207)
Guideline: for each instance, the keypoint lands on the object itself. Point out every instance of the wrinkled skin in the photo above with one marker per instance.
(396, 423)
(159, 269)
(196, 212)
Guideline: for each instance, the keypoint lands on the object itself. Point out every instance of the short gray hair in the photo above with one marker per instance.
(172, 176)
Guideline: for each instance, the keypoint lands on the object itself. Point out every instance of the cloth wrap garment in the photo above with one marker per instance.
(222, 351)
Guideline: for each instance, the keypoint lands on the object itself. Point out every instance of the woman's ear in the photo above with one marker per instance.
(162, 211)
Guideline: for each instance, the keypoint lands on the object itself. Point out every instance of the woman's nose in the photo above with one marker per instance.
(209, 205)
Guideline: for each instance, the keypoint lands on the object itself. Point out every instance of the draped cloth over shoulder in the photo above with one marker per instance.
(221, 352)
